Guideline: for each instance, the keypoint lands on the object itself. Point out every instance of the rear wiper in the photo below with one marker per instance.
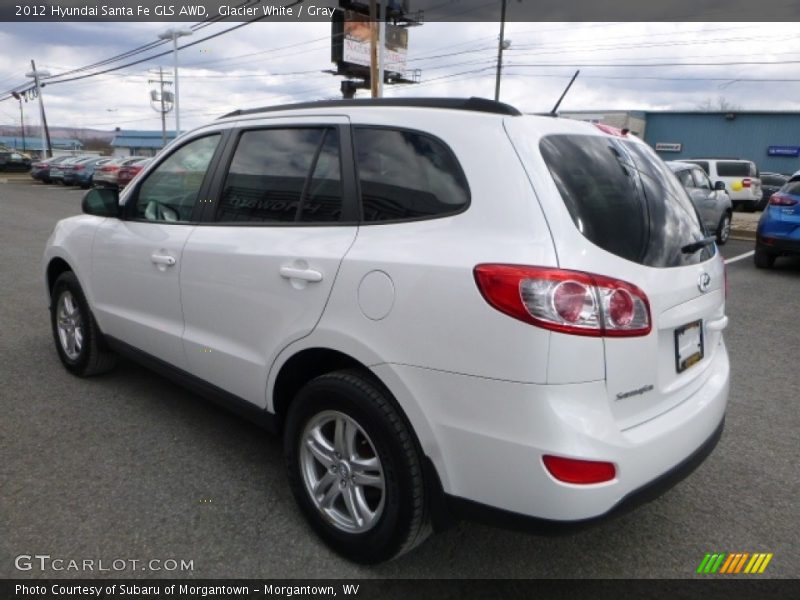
(695, 246)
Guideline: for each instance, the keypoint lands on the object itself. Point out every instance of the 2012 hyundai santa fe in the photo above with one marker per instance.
(446, 307)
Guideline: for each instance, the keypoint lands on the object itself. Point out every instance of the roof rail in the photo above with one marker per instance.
(473, 104)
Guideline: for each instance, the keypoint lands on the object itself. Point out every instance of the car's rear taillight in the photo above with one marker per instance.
(566, 301)
(747, 182)
(779, 199)
(572, 470)
(78, 168)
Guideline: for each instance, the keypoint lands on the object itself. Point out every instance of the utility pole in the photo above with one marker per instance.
(46, 150)
(165, 101)
(373, 48)
(501, 45)
(18, 96)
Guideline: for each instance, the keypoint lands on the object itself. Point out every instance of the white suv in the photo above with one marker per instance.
(741, 178)
(445, 307)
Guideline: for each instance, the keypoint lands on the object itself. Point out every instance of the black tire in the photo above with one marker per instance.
(403, 522)
(763, 258)
(93, 357)
(724, 229)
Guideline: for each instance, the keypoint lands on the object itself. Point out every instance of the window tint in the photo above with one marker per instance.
(284, 175)
(726, 168)
(623, 198)
(407, 175)
(700, 179)
(170, 192)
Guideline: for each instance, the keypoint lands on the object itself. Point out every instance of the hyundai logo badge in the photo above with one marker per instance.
(704, 282)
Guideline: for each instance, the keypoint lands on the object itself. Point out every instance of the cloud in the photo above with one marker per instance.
(268, 63)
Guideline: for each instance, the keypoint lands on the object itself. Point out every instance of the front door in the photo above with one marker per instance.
(136, 261)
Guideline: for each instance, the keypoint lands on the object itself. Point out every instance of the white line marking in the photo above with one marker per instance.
(740, 257)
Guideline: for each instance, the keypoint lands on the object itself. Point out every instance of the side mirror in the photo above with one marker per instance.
(719, 186)
(101, 202)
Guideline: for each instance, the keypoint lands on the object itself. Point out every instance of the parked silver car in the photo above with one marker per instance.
(711, 201)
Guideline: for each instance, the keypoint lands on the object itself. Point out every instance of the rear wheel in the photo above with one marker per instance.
(724, 229)
(354, 468)
(763, 258)
(78, 339)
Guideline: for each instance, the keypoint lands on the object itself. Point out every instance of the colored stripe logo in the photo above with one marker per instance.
(734, 563)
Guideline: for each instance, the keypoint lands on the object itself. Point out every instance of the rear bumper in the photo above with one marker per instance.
(486, 439)
(778, 245)
(467, 509)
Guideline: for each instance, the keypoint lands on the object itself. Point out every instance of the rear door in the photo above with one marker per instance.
(615, 209)
(257, 274)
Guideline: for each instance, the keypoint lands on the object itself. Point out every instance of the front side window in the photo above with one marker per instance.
(284, 176)
(624, 199)
(685, 177)
(170, 192)
(407, 175)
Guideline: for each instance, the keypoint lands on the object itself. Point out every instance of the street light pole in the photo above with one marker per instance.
(18, 96)
(173, 34)
(46, 152)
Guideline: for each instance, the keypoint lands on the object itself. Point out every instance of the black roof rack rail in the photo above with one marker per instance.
(474, 104)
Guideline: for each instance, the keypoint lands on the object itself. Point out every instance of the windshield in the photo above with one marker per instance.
(623, 198)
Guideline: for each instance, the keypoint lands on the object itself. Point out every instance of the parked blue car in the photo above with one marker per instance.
(82, 172)
(778, 232)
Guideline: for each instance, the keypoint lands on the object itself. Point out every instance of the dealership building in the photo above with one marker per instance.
(771, 139)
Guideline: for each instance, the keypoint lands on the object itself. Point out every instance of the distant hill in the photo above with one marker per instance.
(81, 133)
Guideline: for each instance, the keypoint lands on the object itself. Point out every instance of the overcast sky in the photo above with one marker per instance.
(268, 63)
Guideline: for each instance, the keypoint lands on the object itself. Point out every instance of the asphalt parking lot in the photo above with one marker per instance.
(129, 466)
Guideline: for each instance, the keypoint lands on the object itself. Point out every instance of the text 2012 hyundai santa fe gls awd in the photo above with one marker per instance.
(443, 305)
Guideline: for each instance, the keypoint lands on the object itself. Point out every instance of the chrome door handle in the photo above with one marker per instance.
(163, 259)
(303, 274)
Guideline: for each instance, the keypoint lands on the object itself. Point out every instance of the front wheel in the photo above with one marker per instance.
(78, 339)
(355, 469)
(724, 229)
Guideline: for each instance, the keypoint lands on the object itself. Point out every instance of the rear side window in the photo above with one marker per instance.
(407, 175)
(284, 176)
(623, 198)
(730, 168)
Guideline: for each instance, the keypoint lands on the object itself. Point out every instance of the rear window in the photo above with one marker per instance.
(773, 180)
(792, 187)
(732, 168)
(623, 198)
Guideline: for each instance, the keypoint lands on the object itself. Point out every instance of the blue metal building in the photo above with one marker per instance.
(138, 142)
(770, 139)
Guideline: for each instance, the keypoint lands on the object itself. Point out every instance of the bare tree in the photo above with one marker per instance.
(721, 104)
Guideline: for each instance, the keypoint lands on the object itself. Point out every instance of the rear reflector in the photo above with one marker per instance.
(572, 470)
(566, 301)
(746, 182)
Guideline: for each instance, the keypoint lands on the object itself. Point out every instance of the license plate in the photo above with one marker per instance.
(688, 345)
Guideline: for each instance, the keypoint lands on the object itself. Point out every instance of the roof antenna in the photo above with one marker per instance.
(553, 113)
